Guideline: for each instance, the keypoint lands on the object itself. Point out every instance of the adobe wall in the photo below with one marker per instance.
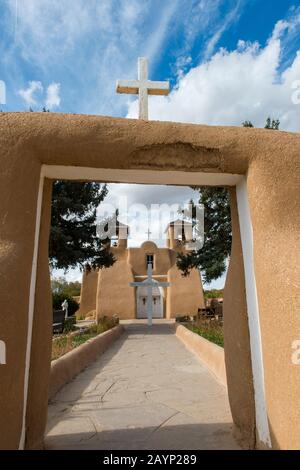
(19, 183)
(137, 259)
(236, 339)
(39, 378)
(209, 353)
(274, 196)
(88, 292)
(114, 294)
(185, 295)
(269, 159)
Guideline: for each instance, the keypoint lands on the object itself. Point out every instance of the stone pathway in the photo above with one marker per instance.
(146, 392)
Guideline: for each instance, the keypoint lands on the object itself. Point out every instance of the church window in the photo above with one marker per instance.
(150, 260)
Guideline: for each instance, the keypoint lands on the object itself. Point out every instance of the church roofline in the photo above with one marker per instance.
(177, 222)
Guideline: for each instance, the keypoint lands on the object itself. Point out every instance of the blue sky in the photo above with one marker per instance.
(84, 47)
(227, 61)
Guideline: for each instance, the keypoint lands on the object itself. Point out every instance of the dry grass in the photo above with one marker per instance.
(210, 328)
(67, 342)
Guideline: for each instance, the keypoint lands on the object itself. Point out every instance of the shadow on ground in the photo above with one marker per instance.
(210, 436)
(146, 392)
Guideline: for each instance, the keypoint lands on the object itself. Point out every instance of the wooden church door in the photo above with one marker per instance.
(157, 306)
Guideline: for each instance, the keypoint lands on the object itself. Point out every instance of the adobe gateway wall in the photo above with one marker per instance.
(269, 161)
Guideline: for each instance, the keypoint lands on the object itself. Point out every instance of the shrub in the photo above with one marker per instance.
(106, 322)
(69, 324)
(213, 293)
(210, 329)
(68, 289)
(66, 342)
(80, 316)
(184, 318)
(58, 299)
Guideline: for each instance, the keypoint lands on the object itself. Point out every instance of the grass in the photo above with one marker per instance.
(65, 343)
(210, 329)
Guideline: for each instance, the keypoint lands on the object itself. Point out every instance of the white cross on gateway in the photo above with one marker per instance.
(143, 87)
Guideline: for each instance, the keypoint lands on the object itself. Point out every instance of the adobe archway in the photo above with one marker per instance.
(37, 147)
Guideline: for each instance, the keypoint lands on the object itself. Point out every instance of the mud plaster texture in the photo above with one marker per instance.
(269, 161)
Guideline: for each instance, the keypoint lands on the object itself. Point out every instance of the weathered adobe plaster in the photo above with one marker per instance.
(209, 158)
(269, 160)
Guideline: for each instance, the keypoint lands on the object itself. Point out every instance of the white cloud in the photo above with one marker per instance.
(2, 92)
(230, 18)
(33, 95)
(61, 38)
(244, 84)
(156, 40)
(28, 93)
(53, 96)
(147, 195)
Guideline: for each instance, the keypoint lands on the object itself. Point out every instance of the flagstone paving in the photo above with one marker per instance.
(146, 392)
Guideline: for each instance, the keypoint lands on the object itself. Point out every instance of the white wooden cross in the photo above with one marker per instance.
(150, 284)
(143, 87)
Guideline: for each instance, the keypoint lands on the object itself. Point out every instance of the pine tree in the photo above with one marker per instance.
(211, 259)
(272, 124)
(73, 238)
(247, 124)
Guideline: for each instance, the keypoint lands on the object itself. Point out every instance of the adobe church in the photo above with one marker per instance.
(108, 291)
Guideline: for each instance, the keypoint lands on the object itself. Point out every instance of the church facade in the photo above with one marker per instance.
(107, 292)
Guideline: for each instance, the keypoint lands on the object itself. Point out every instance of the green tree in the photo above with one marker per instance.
(73, 238)
(213, 293)
(64, 290)
(272, 124)
(58, 299)
(61, 286)
(247, 124)
(211, 259)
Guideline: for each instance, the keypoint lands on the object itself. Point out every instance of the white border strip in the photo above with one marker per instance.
(31, 306)
(176, 178)
(246, 230)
